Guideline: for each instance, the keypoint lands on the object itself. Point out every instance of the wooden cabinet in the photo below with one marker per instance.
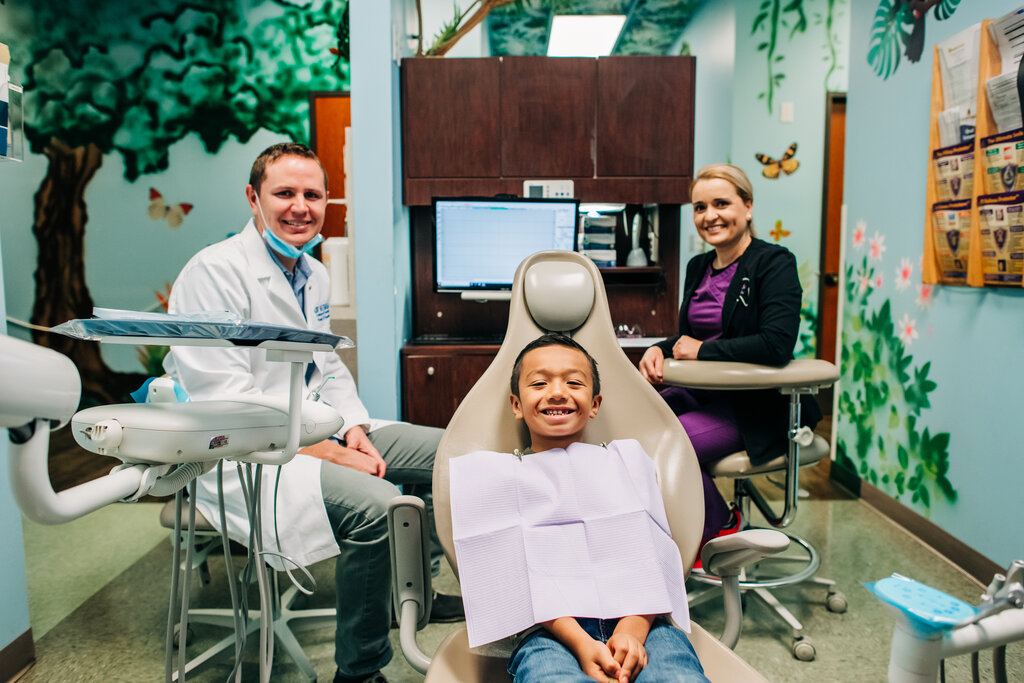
(644, 117)
(435, 379)
(621, 128)
(547, 117)
(451, 118)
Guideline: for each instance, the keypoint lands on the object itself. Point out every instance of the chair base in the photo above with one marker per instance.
(285, 625)
(776, 572)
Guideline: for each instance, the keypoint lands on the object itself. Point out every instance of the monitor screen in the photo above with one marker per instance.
(479, 243)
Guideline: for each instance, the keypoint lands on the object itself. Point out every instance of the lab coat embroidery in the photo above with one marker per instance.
(322, 312)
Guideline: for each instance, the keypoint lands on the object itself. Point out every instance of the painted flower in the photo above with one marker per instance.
(903, 274)
(925, 295)
(877, 247)
(907, 330)
(858, 234)
(863, 282)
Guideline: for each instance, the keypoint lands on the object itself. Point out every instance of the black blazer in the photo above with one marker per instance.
(760, 324)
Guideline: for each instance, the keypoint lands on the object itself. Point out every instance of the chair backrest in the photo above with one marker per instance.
(558, 291)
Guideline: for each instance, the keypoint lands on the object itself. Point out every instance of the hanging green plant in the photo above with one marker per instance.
(771, 17)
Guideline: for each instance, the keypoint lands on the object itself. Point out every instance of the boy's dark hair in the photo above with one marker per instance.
(553, 339)
(271, 154)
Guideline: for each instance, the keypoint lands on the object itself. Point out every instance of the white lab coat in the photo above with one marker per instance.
(238, 275)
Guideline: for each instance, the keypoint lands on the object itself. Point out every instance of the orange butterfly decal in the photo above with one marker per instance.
(778, 233)
(772, 167)
(160, 210)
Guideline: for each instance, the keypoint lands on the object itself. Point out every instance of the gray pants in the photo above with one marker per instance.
(357, 505)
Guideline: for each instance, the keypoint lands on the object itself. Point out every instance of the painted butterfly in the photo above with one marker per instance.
(772, 167)
(160, 210)
(778, 232)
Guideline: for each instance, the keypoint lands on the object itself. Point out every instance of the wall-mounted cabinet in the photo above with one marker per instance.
(621, 128)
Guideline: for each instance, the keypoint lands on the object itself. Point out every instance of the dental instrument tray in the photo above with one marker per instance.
(199, 329)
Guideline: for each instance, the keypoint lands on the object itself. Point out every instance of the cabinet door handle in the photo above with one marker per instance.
(430, 371)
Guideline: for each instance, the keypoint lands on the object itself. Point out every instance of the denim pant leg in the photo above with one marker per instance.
(357, 509)
(409, 452)
(541, 658)
(670, 657)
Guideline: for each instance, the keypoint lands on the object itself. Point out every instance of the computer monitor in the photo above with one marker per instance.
(479, 242)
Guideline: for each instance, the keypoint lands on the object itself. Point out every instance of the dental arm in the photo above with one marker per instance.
(162, 446)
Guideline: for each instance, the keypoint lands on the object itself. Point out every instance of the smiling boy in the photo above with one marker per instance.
(556, 391)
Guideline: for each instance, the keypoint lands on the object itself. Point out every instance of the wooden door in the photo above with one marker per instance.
(329, 125)
(832, 207)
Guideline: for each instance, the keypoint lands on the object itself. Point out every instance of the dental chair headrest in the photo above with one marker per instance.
(559, 295)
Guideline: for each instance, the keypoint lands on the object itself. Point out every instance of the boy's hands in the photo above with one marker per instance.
(629, 653)
(597, 661)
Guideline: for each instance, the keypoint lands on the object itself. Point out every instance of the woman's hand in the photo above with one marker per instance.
(686, 348)
(628, 650)
(651, 364)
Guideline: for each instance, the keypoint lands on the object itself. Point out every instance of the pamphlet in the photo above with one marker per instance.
(1004, 161)
(951, 223)
(954, 171)
(1002, 238)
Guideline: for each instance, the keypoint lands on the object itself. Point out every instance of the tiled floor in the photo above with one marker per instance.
(117, 633)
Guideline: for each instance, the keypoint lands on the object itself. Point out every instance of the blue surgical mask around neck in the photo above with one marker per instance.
(279, 245)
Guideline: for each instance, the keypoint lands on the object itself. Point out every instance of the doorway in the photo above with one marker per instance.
(831, 219)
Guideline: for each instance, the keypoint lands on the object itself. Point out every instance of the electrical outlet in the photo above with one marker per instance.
(561, 189)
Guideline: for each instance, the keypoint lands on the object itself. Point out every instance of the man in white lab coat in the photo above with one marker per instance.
(332, 497)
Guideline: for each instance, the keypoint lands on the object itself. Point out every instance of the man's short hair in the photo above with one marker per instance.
(271, 154)
(553, 339)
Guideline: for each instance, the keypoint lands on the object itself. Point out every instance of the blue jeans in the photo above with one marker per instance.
(357, 505)
(670, 657)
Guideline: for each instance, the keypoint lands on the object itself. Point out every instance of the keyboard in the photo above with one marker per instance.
(439, 338)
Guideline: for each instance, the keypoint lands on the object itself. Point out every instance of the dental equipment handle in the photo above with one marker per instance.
(30, 480)
(298, 360)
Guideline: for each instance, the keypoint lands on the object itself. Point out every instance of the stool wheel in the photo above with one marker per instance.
(835, 602)
(189, 635)
(803, 649)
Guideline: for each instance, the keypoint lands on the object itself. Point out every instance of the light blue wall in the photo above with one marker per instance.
(13, 588)
(381, 231)
(711, 35)
(794, 199)
(969, 339)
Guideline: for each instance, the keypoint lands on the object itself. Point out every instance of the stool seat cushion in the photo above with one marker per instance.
(738, 465)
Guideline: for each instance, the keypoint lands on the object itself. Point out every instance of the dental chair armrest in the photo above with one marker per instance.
(803, 373)
(725, 557)
(728, 555)
(410, 573)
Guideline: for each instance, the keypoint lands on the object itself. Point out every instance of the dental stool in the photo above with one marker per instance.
(558, 291)
(207, 541)
(805, 448)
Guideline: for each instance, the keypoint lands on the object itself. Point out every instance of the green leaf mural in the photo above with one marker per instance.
(899, 26)
(883, 395)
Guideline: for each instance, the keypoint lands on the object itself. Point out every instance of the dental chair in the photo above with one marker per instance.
(799, 377)
(563, 292)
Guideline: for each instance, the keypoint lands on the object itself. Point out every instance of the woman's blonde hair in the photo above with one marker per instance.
(733, 175)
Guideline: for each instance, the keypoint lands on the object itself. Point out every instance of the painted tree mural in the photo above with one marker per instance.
(135, 78)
